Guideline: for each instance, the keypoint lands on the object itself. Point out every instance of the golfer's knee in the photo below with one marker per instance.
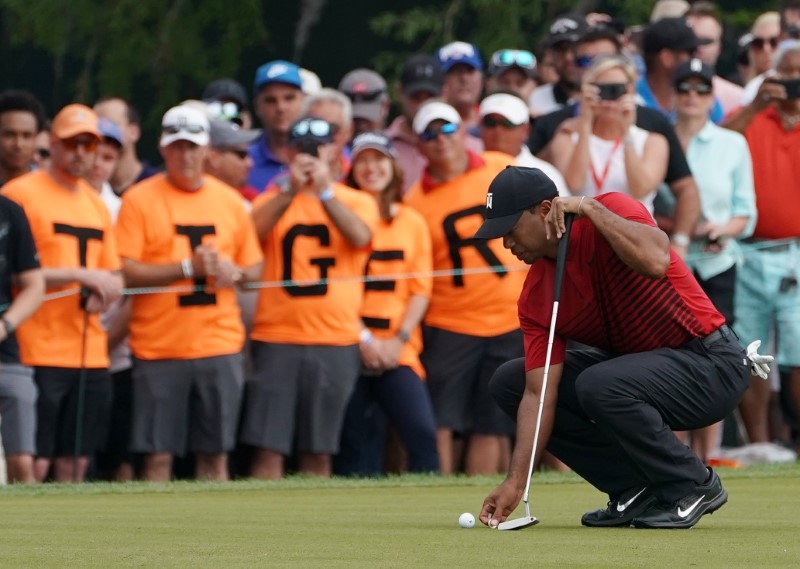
(507, 385)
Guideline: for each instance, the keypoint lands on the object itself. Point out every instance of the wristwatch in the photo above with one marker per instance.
(403, 335)
(8, 326)
(680, 239)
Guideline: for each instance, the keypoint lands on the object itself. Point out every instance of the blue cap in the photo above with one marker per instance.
(110, 131)
(277, 71)
(459, 52)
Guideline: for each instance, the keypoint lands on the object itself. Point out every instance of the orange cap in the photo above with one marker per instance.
(73, 120)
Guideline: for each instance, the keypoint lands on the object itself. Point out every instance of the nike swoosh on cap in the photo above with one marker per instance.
(685, 513)
(622, 507)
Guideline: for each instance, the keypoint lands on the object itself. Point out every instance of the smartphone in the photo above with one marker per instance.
(612, 91)
(792, 87)
(308, 147)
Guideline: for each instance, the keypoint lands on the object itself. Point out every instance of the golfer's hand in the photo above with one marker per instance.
(500, 503)
(760, 362)
(554, 224)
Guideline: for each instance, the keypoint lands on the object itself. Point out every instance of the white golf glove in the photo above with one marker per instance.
(760, 363)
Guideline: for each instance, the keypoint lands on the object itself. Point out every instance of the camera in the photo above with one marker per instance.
(612, 91)
(792, 87)
(308, 147)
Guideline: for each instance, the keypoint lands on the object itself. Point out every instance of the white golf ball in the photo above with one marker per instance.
(466, 520)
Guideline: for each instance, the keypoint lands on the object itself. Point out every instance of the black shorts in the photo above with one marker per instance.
(459, 368)
(57, 409)
(117, 450)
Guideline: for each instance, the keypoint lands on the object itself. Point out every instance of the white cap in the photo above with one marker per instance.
(311, 84)
(185, 122)
(435, 110)
(509, 106)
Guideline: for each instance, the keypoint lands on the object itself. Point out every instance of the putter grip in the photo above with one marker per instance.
(561, 257)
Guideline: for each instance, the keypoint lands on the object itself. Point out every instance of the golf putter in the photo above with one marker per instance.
(561, 261)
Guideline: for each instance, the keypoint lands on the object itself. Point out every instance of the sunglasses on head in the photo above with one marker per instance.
(430, 133)
(89, 144)
(518, 57)
(228, 111)
(176, 128)
(491, 122)
(759, 43)
(317, 127)
(699, 88)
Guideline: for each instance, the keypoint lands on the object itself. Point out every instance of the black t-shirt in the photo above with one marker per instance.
(17, 255)
(651, 120)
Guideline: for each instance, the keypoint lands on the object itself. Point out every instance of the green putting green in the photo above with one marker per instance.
(409, 521)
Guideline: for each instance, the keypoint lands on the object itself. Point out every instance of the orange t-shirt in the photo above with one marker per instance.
(159, 224)
(399, 247)
(482, 304)
(71, 230)
(304, 246)
(776, 175)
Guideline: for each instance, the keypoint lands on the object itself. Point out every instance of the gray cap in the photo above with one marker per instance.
(225, 134)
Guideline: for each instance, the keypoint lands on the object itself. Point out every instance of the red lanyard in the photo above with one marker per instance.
(600, 180)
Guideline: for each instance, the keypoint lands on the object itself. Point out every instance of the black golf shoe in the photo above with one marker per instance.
(621, 510)
(683, 514)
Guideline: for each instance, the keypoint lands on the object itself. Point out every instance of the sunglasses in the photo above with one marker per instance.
(316, 127)
(492, 122)
(43, 153)
(176, 128)
(430, 133)
(584, 61)
(699, 88)
(88, 144)
(242, 154)
(518, 57)
(228, 111)
(759, 43)
(366, 96)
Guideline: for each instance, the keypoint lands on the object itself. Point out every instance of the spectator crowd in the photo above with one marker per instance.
(297, 288)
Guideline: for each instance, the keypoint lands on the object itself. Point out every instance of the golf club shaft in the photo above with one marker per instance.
(561, 261)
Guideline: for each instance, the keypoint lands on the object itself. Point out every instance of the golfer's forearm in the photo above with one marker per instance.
(642, 247)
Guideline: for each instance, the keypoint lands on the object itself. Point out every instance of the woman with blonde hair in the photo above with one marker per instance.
(602, 150)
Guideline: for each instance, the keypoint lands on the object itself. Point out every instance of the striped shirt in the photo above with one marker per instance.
(606, 304)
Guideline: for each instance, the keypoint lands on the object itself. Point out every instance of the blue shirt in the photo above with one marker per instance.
(716, 113)
(265, 165)
(720, 161)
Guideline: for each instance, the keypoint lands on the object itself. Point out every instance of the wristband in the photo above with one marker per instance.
(403, 335)
(326, 194)
(8, 326)
(187, 268)
(365, 336)
(680, 239)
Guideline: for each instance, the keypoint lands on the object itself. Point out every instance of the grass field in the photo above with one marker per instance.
(408, 521)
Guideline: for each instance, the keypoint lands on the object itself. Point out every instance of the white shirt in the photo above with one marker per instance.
(608, 162)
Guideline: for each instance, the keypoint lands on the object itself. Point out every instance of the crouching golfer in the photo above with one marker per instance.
(660, 356)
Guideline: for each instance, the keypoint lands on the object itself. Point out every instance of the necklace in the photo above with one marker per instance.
(790, 120)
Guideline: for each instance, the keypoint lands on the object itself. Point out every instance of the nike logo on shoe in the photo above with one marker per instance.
(685, 513)
(622, 507)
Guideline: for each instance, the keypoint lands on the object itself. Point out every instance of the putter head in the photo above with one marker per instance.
(519, 523)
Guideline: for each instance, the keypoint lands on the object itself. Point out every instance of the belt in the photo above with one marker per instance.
(718, 334)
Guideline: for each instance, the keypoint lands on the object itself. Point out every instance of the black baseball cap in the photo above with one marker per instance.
(566, 28)
(693, 68)
(226, 90)
(422, 73)
(512, 191)
(670, 33)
